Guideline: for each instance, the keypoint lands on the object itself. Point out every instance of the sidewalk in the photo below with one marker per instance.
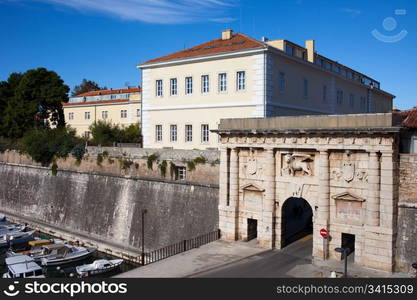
(205, 258)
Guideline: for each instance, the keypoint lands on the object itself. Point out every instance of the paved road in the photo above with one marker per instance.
(292, 261)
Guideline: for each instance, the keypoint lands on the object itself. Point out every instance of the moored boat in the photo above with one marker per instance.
(22, 266)
(16, 238)
(98, 267)
(59, 254)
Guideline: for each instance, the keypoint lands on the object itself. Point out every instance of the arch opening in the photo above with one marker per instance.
(297, 220)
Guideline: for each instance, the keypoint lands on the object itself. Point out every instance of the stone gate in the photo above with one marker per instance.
(344, 167)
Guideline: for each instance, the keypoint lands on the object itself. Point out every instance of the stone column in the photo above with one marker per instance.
(267, 232)
(388, 190)
(372, 201)
(231, 209)
(322, 217)
(223, 178)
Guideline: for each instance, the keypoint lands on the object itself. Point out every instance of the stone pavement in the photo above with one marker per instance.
(192, 262)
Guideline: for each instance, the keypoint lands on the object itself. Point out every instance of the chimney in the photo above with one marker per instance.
(310, 50)
(227, 34)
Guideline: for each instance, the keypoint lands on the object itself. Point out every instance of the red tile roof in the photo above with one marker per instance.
(236, 43)
(109, 92)
(96, 102)
(410, 118)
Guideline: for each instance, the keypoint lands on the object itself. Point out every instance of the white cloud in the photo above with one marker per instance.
(352, 12)
(155, 11)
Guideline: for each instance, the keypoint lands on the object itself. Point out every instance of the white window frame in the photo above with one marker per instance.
(181, 173)
(71, 116)
(205, 84)
(138, 112)
(159, 88)
(158, 133)
(305, 87)
(104, 114)
(205, 133)
(223, 82)
(87, 115)
(173, 133)
(282, 83)
(188, 85)
(351, 100)
(173, 82)
(123, 113)
(241, 80)
(188, 133)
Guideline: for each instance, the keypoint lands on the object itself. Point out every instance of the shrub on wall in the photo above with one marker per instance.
(151, 159)
(163, 168)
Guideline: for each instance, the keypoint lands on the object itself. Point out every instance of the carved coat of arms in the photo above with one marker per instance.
(348, 170)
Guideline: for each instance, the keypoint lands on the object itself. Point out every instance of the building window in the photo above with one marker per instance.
(205, 133)
(281, 87)
(87, 134)
(181, 173)
(112, 97)
(173, 87)
(188, 133)
(123, 113)
(289, 49)
(188, 85)
(352, 100)
(173, 133)
(305, 88)
(158, 133)
(222, 82)
(159, 88)
(339, 97)
(324, 93)
(241, 81)
(205, 85)
(87, 115)
(363, 102)
(104, 114)
(71, 116)
(138, 113)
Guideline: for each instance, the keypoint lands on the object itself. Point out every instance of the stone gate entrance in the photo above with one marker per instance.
(342, 169)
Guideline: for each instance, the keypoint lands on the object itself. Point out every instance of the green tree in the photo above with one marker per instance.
(105, 134)
(35, 101)
(86, 86)
(7, 90)
(45, 144)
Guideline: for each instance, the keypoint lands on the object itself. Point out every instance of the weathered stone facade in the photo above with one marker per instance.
(347, 173)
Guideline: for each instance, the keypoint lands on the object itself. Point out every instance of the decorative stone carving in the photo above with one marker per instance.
(297, 163)
(349, 208)
(252, 169)
(348, 171)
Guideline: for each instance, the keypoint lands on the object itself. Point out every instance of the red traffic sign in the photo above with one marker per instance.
(324, 233)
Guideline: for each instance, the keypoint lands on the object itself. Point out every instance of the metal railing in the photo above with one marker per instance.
(185, 245)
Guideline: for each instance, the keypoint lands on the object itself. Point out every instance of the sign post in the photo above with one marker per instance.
(325, 234)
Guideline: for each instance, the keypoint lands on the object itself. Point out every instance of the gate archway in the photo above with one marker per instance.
(297, 220)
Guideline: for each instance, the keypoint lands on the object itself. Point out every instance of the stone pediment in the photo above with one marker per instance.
(252, 187)
(348, 196)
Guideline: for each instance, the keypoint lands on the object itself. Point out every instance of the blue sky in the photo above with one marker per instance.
(103, 40)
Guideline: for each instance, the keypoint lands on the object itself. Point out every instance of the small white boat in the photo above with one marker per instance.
(22, 266)
(59, 254)
(16, 238)
(98, 267)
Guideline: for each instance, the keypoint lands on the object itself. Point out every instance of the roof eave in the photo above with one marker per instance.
(202, 57)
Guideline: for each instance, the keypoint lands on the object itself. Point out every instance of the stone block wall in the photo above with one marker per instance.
(406, 246)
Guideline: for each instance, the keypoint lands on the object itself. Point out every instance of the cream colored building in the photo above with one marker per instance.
(121, 106)
(185, 94)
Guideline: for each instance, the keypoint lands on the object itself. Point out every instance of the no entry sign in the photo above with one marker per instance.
(324, 233)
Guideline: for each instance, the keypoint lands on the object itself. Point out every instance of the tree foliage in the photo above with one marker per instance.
(86, 86)
(106, 134)
(44, 144)
(31, 100)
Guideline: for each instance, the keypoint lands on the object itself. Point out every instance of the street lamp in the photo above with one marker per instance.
(144, 211)
(345, 252)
